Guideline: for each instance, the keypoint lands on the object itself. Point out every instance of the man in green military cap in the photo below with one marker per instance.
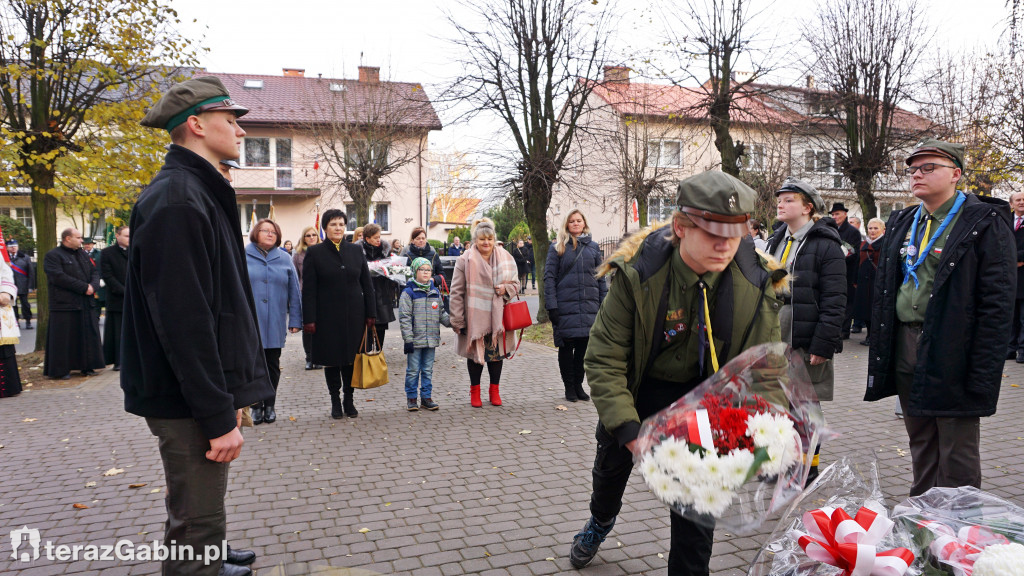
(944, 294)
(191, 356)
(648, 346)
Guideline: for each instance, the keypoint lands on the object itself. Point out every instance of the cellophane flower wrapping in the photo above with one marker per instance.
(731, 451)
(953, 528)
(850, 483)
(395, 268)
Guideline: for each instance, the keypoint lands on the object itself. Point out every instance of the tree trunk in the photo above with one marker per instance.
(44, 212)
(866, 196)
(536, 199)
(641, 208)
(363, 201)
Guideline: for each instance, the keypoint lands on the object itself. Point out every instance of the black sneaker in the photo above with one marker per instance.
(411, 405)
(586, 543)
(429, 404)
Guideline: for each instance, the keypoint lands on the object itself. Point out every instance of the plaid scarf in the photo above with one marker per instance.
(484, 308)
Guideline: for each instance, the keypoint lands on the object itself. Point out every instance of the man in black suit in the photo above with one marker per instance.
(113, 270)
(850, 236)
(1016, 349)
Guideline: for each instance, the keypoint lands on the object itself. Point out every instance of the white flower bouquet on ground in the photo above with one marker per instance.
(965, 532)
(735, 443)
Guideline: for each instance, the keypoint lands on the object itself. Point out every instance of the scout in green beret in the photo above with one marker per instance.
(195, 361)
(685, 298)
(939, 149)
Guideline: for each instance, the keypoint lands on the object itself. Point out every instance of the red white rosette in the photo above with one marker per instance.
(851, 544)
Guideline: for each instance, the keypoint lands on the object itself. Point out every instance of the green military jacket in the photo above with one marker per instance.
(622, 337)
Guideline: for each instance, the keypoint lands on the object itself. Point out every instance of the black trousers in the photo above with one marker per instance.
(307, 345)
(112, 337)
(1017, 328)
(570, 360)
(274, 369)
(691, 543)
(24, 311)
(336, 376)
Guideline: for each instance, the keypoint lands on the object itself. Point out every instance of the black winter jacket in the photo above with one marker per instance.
(384, 289)
(818, 289)
(113, 270)
(23, 281)
(571, 288)
(190, 347)
(69, 273)
(962, 348)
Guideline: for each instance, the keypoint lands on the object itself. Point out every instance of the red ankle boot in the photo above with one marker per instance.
(474, 396)
(495, 399)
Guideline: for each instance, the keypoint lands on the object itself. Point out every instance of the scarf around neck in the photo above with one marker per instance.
(484, 308)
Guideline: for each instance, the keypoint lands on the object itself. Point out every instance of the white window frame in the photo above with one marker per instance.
(23, 215)
(245, 213)
(656, 154)
(659, 209)
(350, 210)
(817, 155)
(753, 157)
(281, 170)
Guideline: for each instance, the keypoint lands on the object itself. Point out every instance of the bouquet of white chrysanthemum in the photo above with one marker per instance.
(965, 532)
(736, 441)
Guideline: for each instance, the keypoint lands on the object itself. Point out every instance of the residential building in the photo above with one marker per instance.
(653, 135)
(284, 164)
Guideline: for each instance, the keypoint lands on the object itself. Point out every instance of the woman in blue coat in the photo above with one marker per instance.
(275, 289)
(572, 296)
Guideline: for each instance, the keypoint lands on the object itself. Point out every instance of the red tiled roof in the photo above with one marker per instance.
(293, 100)
(670, 102)
(459, 214)
(762, 104)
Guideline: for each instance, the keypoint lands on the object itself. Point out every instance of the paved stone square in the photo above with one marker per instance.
(490, 491)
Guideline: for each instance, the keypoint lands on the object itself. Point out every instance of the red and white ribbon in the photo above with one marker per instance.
(961, 549)
(698, 429)
(851, 543)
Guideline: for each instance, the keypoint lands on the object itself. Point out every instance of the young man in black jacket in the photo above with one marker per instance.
(944, 290)
(191, 356)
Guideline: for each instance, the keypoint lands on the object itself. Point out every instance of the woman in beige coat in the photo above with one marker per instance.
(485, 278)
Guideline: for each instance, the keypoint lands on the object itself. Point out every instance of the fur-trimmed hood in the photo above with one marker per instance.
(649, 248)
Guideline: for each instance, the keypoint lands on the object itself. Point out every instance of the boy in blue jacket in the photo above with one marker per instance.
(420, 315)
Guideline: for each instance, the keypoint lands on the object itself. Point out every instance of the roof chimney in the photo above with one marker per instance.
(810, 81)
(619, 74)
(369, 74)
(296, 72)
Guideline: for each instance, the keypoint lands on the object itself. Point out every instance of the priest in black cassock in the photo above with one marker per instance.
(73, 336)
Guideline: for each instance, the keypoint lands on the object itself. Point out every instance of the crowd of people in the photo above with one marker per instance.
(201, 323)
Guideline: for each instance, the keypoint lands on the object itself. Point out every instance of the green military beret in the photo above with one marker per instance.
(717, 202)
(809, 192)
(933, 147)
(189, 98)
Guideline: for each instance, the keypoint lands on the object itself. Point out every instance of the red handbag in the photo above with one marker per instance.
(515, 316)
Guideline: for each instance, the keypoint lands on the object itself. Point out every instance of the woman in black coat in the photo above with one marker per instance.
(383, 287)
(870, 249)
(337, 307)
(522, 261)
(418, 247)
(572, 296)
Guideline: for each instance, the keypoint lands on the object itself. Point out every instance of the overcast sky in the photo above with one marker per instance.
(406, 38)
